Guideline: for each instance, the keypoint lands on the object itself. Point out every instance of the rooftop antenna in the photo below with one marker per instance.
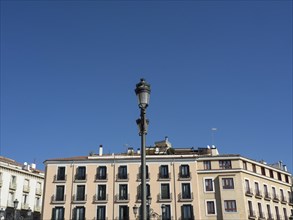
(213, 131)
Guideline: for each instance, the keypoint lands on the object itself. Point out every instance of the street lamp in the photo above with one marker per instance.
(15, 203)
(29, 213)
(2, 213)
(163, 207)
(142, 92)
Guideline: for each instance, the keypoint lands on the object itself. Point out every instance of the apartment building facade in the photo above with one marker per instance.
(21, 185)
(182, 184)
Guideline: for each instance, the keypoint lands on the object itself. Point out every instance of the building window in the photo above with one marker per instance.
(228, 183)
(164, 172)
(282, 195)
(274, 193)
(290, 197)
(80, 173)
(58, 213)
(254, 168)
(122, 172)
(11, 198)
(250, 209)
(207, 165)
(269, 212)
(61, 173)
(225, 164)
(79, 213)
(263, 171)
(80, 192)
(146, 172)
(25, 199)
(123, 192)
(101, 192)
(123, 212)
(266, 192)
(271, 174)
(148, 191)
(286, 178)
(59, 193)
(101, 212)
(165, 191)
(186, 192)
(247, 187)
(244, 165)
(101, 173)
(230, 206)
(256, 187)
(261, 214)
(285, 214)
(167, 214)
(277, 213)
(187, 212)
(279, 176)
(37, 202)
(209, 185)
(184, 171)
(211, 210)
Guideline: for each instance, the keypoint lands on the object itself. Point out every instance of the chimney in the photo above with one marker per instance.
(285, 168)
(33, 166)
(101, 150)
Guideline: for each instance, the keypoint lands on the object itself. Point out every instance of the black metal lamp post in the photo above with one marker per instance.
(142, 92)
(15, 204)
(29, 213)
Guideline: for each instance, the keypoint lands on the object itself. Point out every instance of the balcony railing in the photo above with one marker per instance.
(261, 216)
(164, 176)
(122, 177)
(79, 178)
(248, 192)
(79, 199)
(122, 198)
(164, 198)
(100, 177)
(267, 196)
(283, 200)
(39, 191)
(184, 176)
(258, 194)
(276, 198)
(60, 178)
(100, 199)
(24, 206)
(37, 208)
(139, 176)
(26, 188)
(251, 214)
(12, 185)
(58, 199)
(187, 197)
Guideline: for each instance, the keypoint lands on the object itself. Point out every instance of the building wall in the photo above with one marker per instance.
(33, 189)
(199, 196)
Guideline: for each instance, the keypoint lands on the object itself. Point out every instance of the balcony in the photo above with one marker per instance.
(79, 199)
(101, 178)
(258, 194)
(267, 196)
(100, 199)
(122, 198)
(248, 192)
(12, 185)
(276, 198)
(184, 176)
(80, 179)
(187, 197)
(283, 200)
(24, 206)
(58, 199)
(39, 191)
(164, 176)
(121, 177)
(60, 179)
(164, 197)
(37, 208)
(251, 214)
(261, 216)
(26, 188)
(147, 177)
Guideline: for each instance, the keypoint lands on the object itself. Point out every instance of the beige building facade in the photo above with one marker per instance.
(188, 183)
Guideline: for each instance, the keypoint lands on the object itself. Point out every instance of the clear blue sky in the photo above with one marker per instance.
(69, 69)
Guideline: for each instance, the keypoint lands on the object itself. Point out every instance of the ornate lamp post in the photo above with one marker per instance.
(29, 213)
(142, 92)
(163, 207)
(15, 204)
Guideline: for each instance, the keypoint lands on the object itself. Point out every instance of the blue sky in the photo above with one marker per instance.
(69, 69)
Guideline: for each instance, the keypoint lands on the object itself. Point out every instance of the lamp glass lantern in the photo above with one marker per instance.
(29, 211)
(15, 203)
(142, 91)
(135, 209)
(163, 207)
